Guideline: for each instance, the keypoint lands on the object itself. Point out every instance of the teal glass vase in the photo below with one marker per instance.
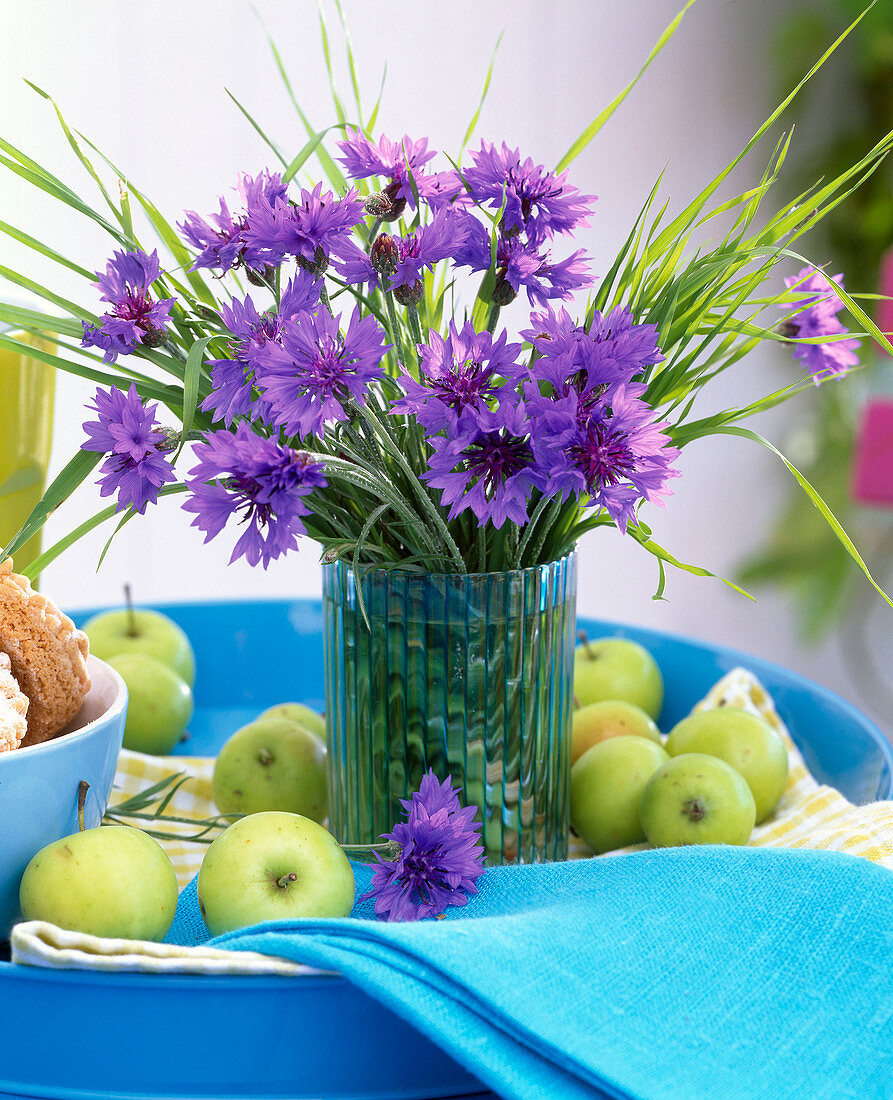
(470, 675)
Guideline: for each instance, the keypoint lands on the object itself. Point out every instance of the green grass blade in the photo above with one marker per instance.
(34, 321)
(327, 55)
(48, 295)
(481, 101)
(76, 472)
(267, 141)
(370, 122)
(593, 128)
(192, 376)
(351, 63)
(64, 195)
(45, 250)
(333, 173)
(79, 153)
(308, 150)
(817, 501)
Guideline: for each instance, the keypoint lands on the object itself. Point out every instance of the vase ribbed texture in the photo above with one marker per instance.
(470, 675)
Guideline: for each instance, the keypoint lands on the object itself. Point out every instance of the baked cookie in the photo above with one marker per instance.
(13, 708)
(48, 655)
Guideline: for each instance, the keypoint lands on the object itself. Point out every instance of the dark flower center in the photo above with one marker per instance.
(602, 456)
(495, 457)
(467, 383)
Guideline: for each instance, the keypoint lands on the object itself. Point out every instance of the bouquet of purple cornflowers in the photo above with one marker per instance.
(304, 362)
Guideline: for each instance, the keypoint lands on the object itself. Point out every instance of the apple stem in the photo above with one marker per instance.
(583, 639)
(83, 787)
(265, 757)
(286, 879)
(695, 809)
(131, 618)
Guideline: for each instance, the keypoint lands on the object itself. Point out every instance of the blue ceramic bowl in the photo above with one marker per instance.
(39, 784)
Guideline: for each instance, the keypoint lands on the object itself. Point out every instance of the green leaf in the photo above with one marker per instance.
(44, 250)
(481, 101)
(336, 99)
(593, 128)
(39, 322)
(308, 150)
(36, 567)
(817, 500)
(351, 63)
(77, 471)
(268, 141)
(63, 194)
(48, 295)
(335, 176)
(79, 153)
(191, 379)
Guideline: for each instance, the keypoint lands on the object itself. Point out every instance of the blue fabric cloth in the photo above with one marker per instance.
(716, 973)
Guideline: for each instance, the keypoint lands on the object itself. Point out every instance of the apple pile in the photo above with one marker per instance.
(155, 659)
(717, 774)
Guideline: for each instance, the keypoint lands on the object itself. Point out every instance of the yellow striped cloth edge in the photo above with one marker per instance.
(809, 815)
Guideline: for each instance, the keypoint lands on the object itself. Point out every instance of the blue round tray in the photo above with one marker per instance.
(69, 1034)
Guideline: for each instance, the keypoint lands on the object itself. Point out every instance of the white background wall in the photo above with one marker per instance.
(145, 79)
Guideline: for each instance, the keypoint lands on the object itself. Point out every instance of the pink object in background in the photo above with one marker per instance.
(873, 470)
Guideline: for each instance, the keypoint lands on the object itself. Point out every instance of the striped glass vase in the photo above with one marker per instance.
(470, 675)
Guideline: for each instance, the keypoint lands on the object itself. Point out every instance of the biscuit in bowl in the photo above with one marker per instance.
(47, 656)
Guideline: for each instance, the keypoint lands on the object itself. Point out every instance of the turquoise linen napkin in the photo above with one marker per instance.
(711, 972)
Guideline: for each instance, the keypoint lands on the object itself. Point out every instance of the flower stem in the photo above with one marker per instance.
(546, 504)
(415, 327)
(428, 504)
(324, 298)
(394, 325)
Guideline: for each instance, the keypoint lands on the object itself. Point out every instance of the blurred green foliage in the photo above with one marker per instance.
(844, 111)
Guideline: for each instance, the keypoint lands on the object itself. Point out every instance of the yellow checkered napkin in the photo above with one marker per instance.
(809, 815)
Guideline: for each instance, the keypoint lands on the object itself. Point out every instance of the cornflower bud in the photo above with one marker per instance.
(384, 254)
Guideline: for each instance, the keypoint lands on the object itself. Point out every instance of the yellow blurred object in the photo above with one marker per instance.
(27, 389)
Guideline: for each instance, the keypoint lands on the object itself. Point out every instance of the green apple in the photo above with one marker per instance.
(745, 741)
(598, 722)
(159, 703)
(111, 881)
(140, 630)
(697, 799)
(606, 786)
(301, 714)
(271, 764)
(273, 866)
(617, 668)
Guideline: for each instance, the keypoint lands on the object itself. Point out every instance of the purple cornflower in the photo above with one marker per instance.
(817, 319)
(615, 349)
(233, 379)
(395, 162)
(611, 453)
(315, 369)
(136, 467)
(135, 317)
(486, 462)
(311, 230)
(400, 262)
(467, 370)
(440, 859)
(522, 264)
(223, 244)
(537, 202)
(244, 474)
